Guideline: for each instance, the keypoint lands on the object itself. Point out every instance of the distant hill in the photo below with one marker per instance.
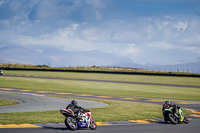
(18, 54)
(60, 58)
(192, 67)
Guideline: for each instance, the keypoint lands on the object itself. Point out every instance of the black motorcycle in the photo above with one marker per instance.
(174, 118)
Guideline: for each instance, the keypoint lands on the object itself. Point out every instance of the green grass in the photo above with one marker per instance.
(101, 88)
(7, 102)
(112, 77)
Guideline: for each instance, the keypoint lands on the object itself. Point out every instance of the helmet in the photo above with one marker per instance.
(74, 102)
(167, 102)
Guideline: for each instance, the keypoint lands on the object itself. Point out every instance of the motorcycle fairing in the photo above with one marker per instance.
(181, 114)
(83, 124)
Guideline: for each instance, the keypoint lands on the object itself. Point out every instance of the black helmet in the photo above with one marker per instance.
(167, 102)
(74, 102)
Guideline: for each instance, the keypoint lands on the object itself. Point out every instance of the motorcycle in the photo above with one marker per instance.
(174, 118)
(85, 120)
(1, 73)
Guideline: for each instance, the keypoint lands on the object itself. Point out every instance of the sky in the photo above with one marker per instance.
(146, 31)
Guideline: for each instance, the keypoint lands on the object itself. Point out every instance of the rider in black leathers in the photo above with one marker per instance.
(75, 108)
(168, 105)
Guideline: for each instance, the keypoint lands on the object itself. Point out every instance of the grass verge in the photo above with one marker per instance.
(7, 102)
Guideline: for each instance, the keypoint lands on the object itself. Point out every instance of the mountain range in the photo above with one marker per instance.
(60, 58)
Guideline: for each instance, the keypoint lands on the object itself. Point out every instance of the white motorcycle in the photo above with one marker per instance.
(73, 123)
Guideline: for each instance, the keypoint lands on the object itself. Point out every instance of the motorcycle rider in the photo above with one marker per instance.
(75, 108)
(168, 105)
(1, 72)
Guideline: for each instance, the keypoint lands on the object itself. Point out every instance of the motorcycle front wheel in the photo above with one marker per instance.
(173, 119)
(93, 125)
(71, 123)
(186, 120)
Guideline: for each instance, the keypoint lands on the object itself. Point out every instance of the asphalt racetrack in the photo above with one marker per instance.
(30, 102)
(192, 127)
(116, 127)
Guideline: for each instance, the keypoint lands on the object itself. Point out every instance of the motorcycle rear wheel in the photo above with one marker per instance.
(93, 125)
(173, 119)
(71, 123)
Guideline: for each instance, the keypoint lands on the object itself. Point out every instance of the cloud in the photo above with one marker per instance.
(65, 38)
(81, 25)
(72, 10)
(131, 50)
(3, 1)
(181, 26)
(127, 38)
(162, 45)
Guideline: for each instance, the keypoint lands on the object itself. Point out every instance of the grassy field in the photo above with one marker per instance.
(7, 102)
(115, 110)
(101, 88)
(114, 77)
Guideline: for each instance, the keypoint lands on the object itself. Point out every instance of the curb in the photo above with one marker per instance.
(26, 125)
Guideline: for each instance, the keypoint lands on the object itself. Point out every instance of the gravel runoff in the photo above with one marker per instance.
(34, 102)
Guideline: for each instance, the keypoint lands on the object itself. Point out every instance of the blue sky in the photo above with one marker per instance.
(146, 31)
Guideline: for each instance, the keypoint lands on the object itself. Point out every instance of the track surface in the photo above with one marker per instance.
(193, 127)
(30, 102)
